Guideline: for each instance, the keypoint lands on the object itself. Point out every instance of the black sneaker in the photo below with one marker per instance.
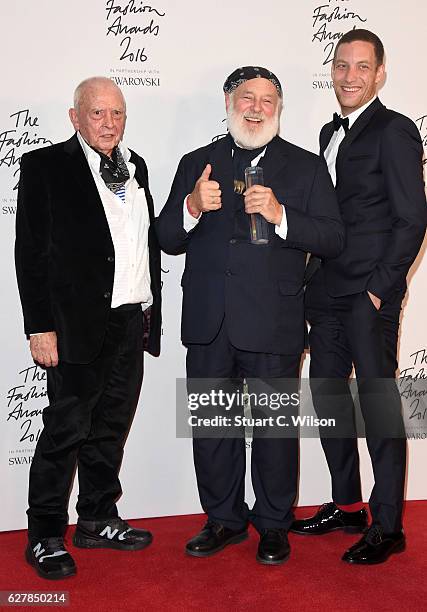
(50, 558)
(113, 533)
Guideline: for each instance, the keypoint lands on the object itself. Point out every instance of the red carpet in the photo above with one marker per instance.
(162, 577)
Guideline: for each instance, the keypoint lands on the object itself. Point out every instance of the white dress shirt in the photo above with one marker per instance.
(331, 150)
(190, 222)
(128, 222)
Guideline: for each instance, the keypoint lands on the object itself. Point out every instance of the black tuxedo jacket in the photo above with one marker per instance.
(259, 288)
(380, 191)
(64, 252)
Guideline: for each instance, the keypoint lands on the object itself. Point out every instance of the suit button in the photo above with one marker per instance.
(107, 294)
(110, 258)
(233, 241)
(228, 273)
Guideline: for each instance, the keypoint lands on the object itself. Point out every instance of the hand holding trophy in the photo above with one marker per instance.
(258, 225)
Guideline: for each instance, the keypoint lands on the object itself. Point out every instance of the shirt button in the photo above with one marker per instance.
(233, 241)
(110, 258)
(228, 273)
(107, 294)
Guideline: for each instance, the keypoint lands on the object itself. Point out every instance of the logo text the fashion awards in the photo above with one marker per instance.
(25, 401)
(422, 126)
(135, 24)
(21, 135)
(330, 20)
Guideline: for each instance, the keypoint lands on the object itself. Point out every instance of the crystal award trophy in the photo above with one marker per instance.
(258, 225)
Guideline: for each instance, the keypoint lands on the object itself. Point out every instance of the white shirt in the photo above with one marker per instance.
(128, 222)
(331, 150)
(190, 222)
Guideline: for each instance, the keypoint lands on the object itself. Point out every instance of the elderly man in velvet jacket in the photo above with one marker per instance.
(88, 269)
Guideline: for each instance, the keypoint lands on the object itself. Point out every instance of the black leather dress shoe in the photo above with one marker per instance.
(330, 518)
(273, 547)
(213, 538)
(50, 558)
(113, 533)
(375, 547)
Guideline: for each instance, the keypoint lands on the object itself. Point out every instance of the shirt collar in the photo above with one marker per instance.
(356, 114)
(92, 155)
(256, 159)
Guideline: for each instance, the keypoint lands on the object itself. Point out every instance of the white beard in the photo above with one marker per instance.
(241, 130)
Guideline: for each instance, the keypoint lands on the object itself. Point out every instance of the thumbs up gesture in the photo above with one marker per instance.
(206, 195)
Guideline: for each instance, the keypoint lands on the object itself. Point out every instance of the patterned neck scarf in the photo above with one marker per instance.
(114, 171)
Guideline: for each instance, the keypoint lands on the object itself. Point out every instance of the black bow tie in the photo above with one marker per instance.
(340, 121)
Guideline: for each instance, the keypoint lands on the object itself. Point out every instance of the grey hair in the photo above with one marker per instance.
(93, 82)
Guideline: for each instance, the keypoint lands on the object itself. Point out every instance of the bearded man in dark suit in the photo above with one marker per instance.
(88, 269)
(353, 302)
(242, 313)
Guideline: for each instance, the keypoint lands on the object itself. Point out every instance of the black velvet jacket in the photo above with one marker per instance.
(64, 252)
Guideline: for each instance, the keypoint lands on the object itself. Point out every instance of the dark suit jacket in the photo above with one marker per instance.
(64, 252)
(380, 191)
(259, 288)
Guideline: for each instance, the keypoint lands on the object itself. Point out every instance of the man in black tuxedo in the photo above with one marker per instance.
(242, 313)
(88, 269)
(353, 301)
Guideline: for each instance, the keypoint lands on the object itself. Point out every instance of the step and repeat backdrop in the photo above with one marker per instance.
(170, 59)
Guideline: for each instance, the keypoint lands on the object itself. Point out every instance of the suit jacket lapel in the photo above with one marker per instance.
(81, 174)
(274, 159)
(142, 181)
(222, 171)
(139, 174)
(357, 127)
(325, 136)
(80, 168)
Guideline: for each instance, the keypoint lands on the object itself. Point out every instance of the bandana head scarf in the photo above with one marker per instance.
(241, 75)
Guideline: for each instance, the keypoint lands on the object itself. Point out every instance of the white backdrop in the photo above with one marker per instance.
(171, 59)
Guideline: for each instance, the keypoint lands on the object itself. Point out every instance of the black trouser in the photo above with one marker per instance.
(220, 463)
(345, 331)
(86, 424)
